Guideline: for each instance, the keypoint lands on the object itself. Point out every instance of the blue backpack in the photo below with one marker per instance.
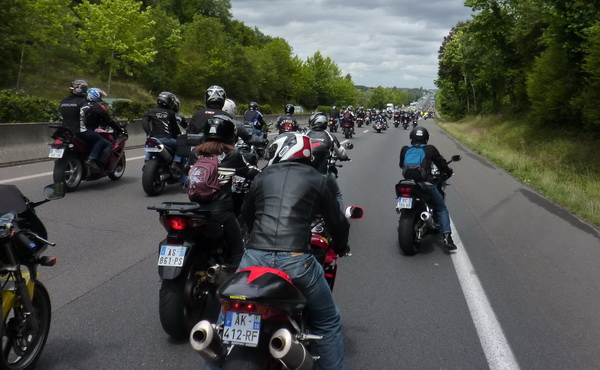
(415, 166)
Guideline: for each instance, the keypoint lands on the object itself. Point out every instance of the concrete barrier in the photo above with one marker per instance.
(28, 142)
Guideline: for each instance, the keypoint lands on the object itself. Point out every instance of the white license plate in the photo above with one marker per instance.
(171, 255)
(56, 153)
(404, 202)
(241, 328)
(152, 149)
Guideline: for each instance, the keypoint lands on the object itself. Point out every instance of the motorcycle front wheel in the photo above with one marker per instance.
(119, 170)
(407, 235)
(151, 180)
(22, 347)
(68, 170)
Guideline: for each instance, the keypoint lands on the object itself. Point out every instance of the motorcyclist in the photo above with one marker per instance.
(326, 145)
(348, 117)
(253, 115)
(335, 114)
(214, 99)
(248, 137)
(161, 122)
(420, 136)
(282, 202)
(219, 136)
(96, 115)
(288, 120)
(73, 118)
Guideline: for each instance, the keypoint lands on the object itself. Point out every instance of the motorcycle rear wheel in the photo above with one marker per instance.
(119, 170)
(346, 132)
(21, 349)
(407, 236)
(151, 182)
(68, 170)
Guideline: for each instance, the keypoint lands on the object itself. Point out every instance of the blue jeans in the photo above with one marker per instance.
(97, 145)
(323, 316)
(439, 206)
(335, 189)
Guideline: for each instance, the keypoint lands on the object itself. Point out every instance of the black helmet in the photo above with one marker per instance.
(219, 128)
(253, 105)
(79, 88)
(318, 121)
(419, 135)
(215, 97)
(166, 100)
(289, 109)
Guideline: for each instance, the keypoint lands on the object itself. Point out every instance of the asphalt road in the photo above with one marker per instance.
(522, 291)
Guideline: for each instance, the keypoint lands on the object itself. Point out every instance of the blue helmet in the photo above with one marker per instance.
(95, 94)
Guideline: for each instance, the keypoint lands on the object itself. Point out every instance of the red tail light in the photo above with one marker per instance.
(175, 223)
(249, 307)
(403, 191)
(58, 142)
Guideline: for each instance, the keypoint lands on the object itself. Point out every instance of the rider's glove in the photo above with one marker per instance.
(343, 251)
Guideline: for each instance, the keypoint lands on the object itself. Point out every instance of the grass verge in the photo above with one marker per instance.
(561, 163)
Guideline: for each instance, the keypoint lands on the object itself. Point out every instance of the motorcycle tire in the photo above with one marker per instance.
(22, 348)
(119, 169)
(347, 133)
(151, 181)
(247, 358)
(378, 130)
(406, 232)
(68, 170)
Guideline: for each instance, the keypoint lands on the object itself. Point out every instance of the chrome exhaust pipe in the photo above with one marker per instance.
(285, 348)
(207, 343)
(164, 153)
(215, 274)
(425, 216)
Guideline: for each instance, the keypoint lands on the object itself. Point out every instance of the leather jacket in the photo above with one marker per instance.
(432, 155)
(283, 201)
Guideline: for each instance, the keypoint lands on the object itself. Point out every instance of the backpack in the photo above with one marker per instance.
(347, 116)
(415, 166)
(203, 183)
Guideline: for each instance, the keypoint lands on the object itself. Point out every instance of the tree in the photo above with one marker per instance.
(113, 35)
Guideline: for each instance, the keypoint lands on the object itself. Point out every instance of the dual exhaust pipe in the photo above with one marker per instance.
(283, 346)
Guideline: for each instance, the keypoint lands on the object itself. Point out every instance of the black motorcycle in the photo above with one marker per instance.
(26, 308)
(162, 168)
(193, 261)
(417, 216)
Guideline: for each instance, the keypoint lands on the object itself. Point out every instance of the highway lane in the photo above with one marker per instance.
(536, 263)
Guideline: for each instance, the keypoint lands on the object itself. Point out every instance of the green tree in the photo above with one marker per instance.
(113, 35)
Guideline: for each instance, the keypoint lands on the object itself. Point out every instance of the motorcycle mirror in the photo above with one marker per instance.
(348, 146)
(54, 191)
(456, 158)
(354, 212)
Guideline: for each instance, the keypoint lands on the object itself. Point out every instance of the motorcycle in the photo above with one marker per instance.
(262, 147)
(26, 307)
(347, 128)
(417, 216)
(359, 121)
(415, 122)
(167, 166)
(405, 122)
(192, 263)
(70, 154)
(265, 318)
(332, 125)
(378, 125)
(396, 119)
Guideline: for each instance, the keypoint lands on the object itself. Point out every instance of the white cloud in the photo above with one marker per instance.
(378, 42)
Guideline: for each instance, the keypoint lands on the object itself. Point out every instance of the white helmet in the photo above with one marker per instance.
(290, 146)
(230, 107)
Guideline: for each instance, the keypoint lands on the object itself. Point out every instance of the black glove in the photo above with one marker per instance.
(343, 251)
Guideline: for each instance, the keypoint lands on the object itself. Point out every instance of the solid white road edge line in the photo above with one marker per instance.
(49, 173)
(495, 346)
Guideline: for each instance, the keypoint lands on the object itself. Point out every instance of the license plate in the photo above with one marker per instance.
(404, 203)
(56, 153)
(152, 149)
(171, 255)
(241, 328)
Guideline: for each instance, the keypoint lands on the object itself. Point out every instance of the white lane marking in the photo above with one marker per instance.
(365, 131)
(495, 346)
(15, 179)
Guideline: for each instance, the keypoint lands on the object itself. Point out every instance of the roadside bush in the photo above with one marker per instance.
(130, 110)
(20, 107)
(323, 109)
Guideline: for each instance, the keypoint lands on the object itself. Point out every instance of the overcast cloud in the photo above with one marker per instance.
(378, 42)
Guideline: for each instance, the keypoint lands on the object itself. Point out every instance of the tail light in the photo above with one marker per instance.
(250, 307)
(58, 142)
(403, 191)
(175, 223)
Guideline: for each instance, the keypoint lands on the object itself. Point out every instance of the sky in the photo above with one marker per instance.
(389, 43)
